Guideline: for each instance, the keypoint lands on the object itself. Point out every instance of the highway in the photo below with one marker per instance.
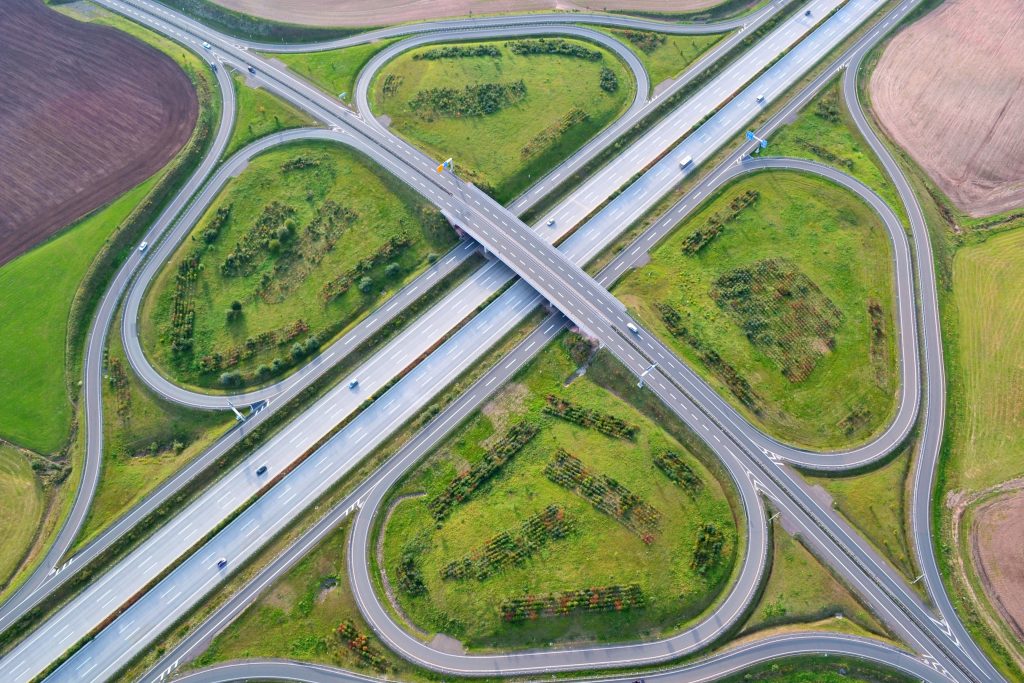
(711, 668)
(529, 253)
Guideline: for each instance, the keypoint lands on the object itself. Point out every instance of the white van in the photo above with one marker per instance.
(142, 247)
(686, 161)
(760, 98)
(632, 328)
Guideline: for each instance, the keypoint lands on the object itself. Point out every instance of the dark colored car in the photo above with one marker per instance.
(261, 470)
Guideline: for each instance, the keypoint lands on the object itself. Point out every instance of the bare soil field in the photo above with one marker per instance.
(999, 556)
(86, 112)
(378, 12)
(950, 90)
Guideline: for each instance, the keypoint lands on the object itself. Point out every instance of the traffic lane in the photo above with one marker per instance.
(712, 668)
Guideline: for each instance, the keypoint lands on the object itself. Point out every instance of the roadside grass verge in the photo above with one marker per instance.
(824, 132)
(334, 71)
(810, 669)
(563, 106)
(257, 28)
(801, 590)
(145, 439)
(601, 550)
(875, 503)
(258, 114)
(664, 55)
(306, 241)
(22, 504)
(841, 248)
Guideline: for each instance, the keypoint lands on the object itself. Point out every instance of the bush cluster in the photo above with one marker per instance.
(608, 425)
(708, 550)
(337, 286)
(410, 578)
(359, 643)
(512, 546)
(553, 46)
(544, 139)
(605, 494)
(647, 41)
(614, 598)
(465, 483)
(678, 471)
(609, 81)
(737, 384)
(479, 99)
(458, 52)
(703, 235)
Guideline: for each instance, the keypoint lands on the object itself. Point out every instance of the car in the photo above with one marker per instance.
(632, 328)
(760, 98)
(261, 470)
(353, 384)
(807, 13)
(142, 247)
(207, 46)
(551, 221)
(686, 161)
(213, 66)
(252, 69)
(222, 562)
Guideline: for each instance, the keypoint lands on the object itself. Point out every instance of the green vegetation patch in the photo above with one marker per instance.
(333, 70)
(518, 108)
(600, 544)
(260, 114)
(307, 240)
(21, 508)
(666, 56)
(784, 303)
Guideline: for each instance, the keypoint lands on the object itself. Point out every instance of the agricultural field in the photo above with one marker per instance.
(824, 132)
(665, 56)
(937, 95)
(79, 129)
(369, 12)
(305, 241)
(997, 556)
(260, 114)
(558, 512)
(516, 108)
(779, 292)
(334, 71)
(22, 503)
(145, 440)
(800, 590)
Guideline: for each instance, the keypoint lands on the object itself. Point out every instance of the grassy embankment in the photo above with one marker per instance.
(21, 507)
(802, 591)
(561, 105)
(816, 373)
(664, 55)
(296, 249)
(334, 71)
(260, 114)
(599, 550)
(48, 293)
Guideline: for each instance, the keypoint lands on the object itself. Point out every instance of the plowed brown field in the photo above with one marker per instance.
(999, 556)
(380, 12)
(86, 112)
(950, 90)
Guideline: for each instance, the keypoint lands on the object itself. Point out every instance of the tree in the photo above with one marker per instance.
(312, 344)
(236, 305)
(365, 285)
(392, 270)
(264, 371)
(231, 379)
(298, 352)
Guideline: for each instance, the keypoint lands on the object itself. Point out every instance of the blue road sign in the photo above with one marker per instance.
(750, 135)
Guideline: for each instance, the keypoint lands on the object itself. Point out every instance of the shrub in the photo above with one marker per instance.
(647, 41)
(708, 550)
(458, 52)
(264, 371)
(365, 285)
(678, 471)
(714, 225)
(609, 81)
(311, 346)
(298, 351)
(553, 46)
(608, 425)
(472, 100)
(236, 305)
(231, 379)
(359, 644)
(392, 270)
(599, 599)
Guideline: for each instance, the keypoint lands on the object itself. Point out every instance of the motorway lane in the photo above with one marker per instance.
(49, 571)
(783, 27)
(715, 667)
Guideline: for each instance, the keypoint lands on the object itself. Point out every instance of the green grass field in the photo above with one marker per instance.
(986, 435)
(21, 508)
(145, 440)
(504, 151)
(601, 551)
(839, 244)
(259, 113)
(304, 223)
(801, 590)
(36, 290)
(875, 503)
(666, 56)
(334, 71)
(824, 132)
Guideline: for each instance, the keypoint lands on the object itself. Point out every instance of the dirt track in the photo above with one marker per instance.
(950, 90)
(86, 112)
(999, 556)
(378, 12)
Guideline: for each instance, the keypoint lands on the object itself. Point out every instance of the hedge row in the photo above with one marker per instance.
(512, 546)
(605, 494)
(714, 225)
(591, 419)
(600, 599)
(458, 52)
(479, 99)
(708, 550)
(678, 471)
(553, 46)
(359, 643)
(465, 483)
